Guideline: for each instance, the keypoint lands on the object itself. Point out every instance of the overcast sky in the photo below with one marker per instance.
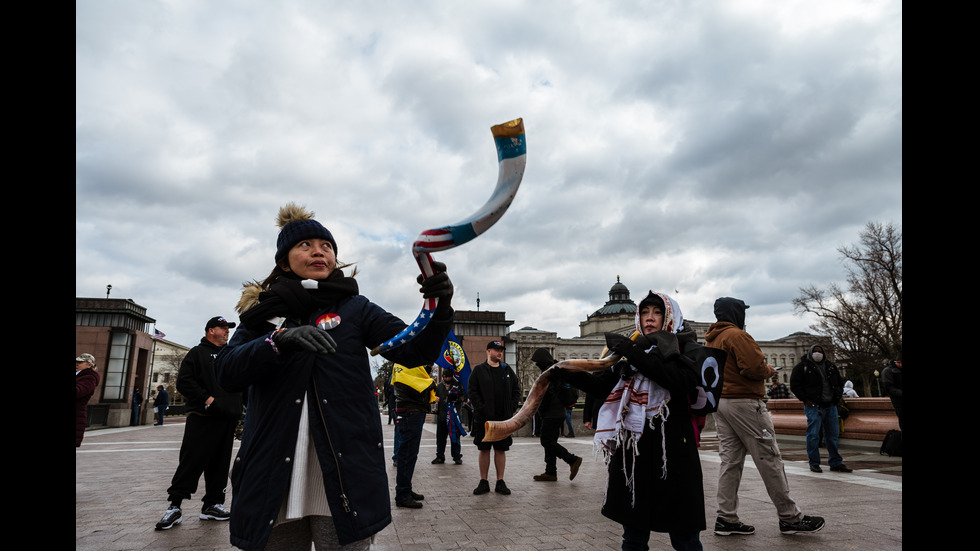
(699, 148)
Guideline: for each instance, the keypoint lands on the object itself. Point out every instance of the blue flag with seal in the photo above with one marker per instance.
(453, 357)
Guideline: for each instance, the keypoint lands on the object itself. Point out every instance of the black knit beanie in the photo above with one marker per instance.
(298, 224)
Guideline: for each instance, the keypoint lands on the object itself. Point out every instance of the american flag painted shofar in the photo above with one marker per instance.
(511, 158)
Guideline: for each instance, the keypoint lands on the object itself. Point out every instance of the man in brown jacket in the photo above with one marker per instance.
(744, 426)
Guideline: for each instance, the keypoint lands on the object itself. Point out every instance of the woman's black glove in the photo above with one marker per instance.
(305, 337)
(619, 345)
(438, 285)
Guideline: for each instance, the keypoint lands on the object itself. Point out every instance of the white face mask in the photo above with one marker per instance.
(817, 356)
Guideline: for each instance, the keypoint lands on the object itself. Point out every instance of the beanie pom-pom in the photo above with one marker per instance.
(292, 212)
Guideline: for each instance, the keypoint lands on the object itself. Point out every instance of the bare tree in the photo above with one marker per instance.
(865, 317)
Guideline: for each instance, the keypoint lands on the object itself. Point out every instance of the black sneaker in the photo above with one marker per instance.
(417, 497)
(575, 465)
(502, 488)
(170, 519)
(723, 528)
(215, 512)
(816, 468)
(439, 461)
(410, 503)
(482, 488)
(808, 524)
(842, 468)
(458, 461)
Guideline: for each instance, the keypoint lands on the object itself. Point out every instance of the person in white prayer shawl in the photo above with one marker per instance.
(645, 432)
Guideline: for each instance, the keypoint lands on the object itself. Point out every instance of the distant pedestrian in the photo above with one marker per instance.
(160, 404)
(891, 378)
(849, 391)
(778, 390)
(137, 402)
(570, 432)
(817, 383)
(86, 381)
(553, 409)
(744, 426)
(450, 395)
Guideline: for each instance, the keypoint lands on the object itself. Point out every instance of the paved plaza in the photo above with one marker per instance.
(121, 477)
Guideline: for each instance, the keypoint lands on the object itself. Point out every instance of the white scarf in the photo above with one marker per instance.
(633, 403)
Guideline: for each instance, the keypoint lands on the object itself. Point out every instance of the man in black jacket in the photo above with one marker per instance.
(495, 392)
(212, 415)
(891, 378)
(816, 381)
(553, 408)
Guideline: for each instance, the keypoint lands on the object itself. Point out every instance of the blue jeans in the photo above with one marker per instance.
(822, 418)
(408, 426)
(635, 539)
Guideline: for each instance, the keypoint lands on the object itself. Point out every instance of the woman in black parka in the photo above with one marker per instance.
(646, 431)
(311, 466)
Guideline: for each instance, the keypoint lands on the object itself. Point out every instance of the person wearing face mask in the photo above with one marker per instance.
(817, 383)
(645, 431)
(311, 467)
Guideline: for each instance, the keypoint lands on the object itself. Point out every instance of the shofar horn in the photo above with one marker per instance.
(511, 147)
(498, 430)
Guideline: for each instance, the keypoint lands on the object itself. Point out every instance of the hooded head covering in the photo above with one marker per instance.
(731, 310)
(673, 318)
(542, 358)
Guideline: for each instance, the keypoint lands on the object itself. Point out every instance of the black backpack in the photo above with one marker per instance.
(892, 444)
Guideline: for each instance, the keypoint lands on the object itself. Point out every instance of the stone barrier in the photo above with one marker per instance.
(867, 418)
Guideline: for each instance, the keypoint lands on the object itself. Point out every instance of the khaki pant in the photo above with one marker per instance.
(740, 424)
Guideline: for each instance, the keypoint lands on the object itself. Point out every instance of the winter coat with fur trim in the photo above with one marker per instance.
(343, 418)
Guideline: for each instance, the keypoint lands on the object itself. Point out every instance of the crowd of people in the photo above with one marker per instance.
(311, 466)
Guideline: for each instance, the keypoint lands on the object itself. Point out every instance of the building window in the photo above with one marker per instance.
(117, 368)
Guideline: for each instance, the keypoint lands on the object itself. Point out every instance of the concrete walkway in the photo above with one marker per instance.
(121, 477)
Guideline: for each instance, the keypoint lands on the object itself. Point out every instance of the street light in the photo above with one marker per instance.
(878, 381)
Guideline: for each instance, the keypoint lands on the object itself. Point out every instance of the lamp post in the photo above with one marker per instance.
(878, 381)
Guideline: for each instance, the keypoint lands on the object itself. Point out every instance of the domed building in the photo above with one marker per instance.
(618, 315)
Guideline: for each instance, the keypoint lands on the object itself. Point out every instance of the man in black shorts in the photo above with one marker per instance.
(494, 392)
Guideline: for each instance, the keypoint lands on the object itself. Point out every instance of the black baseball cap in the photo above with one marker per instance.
(495, 344)
(218, 321)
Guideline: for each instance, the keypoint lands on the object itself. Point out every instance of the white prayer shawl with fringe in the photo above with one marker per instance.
(633, 403)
